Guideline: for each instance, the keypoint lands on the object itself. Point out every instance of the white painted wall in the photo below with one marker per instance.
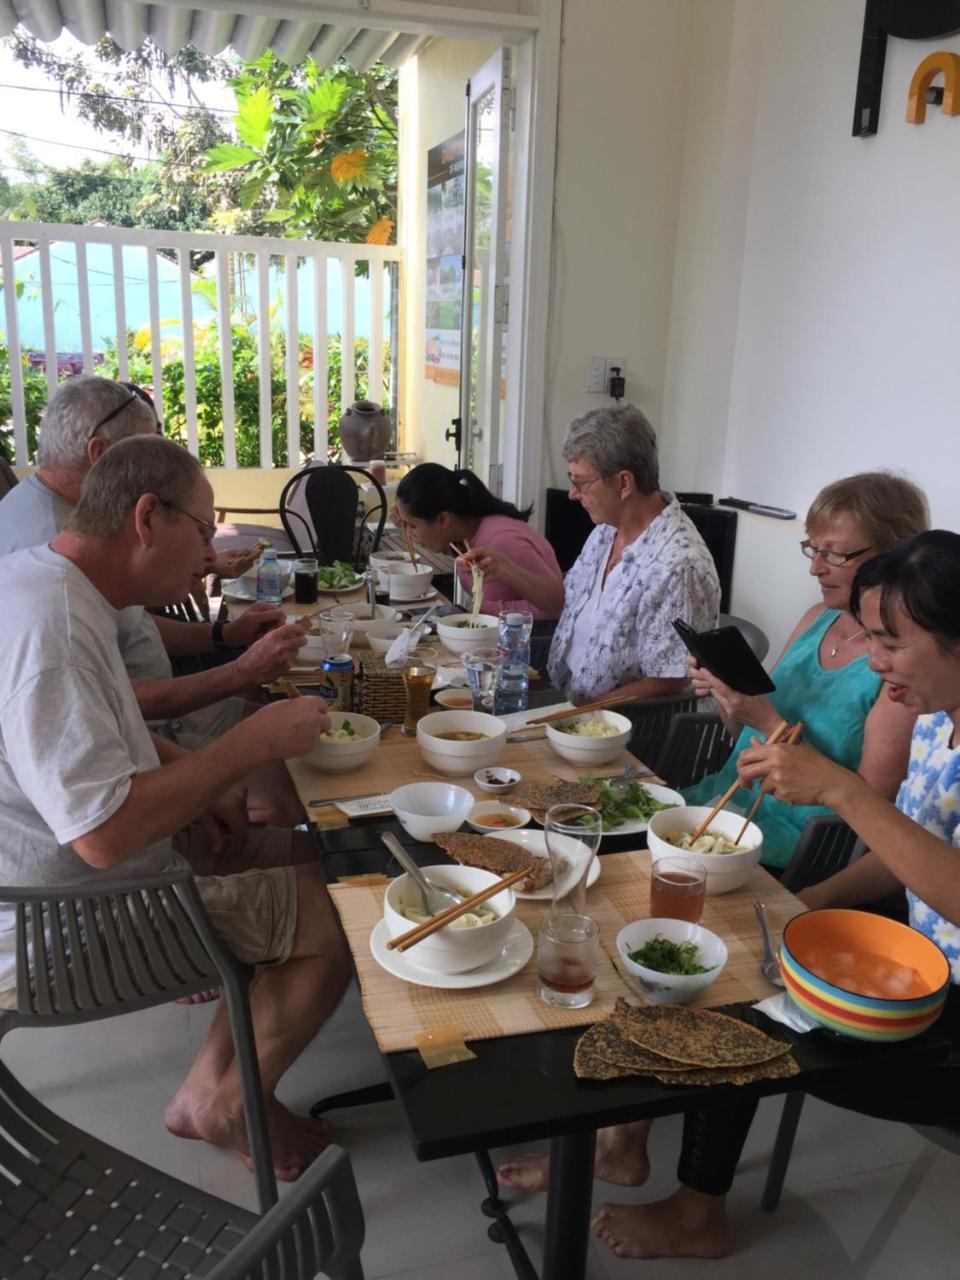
(620, 146)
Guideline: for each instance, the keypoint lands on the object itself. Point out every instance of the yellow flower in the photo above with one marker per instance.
(380, 232)
(348, 165)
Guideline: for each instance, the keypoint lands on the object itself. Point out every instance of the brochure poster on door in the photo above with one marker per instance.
(444, 291)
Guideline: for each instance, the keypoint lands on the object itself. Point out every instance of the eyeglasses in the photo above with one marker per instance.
(114, 413)
(578, 485)
(834, 558)
(207, 529)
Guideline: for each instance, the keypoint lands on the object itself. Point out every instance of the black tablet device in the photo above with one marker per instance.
(724, 652)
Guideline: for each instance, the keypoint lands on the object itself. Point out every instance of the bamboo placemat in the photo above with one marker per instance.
(398, 1011)
(398, 761)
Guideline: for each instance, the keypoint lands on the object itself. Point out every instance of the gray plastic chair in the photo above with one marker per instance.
(651, 718)
(135, 943)
(755, 638)
(72, 1207)
(697, 744)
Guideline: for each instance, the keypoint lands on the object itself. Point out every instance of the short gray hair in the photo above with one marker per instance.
(77, 406)
(613, 440)
(114, 486)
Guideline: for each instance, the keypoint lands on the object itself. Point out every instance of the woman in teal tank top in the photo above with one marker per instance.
(823, 677)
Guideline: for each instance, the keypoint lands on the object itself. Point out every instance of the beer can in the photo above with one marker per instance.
(337, 686)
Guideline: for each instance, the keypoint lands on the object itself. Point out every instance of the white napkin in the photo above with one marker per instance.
(398, 651)
(782, 1009)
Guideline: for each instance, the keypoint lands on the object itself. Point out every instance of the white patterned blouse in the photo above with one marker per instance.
(623, 632)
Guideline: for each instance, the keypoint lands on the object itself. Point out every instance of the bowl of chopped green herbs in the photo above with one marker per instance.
(670, 961)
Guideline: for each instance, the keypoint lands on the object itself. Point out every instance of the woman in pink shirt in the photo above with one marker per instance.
(443, 509)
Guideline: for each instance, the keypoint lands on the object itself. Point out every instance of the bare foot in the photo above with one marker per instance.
(200, 997)
(686, 1225)
(621, 1158)
(296, 1140)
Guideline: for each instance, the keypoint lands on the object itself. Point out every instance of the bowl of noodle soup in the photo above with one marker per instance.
(461, 632)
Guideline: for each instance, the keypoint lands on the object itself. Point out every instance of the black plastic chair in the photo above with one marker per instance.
(72, 1207)
(134, 943)
(826, 846)
(697, 744)
(319, 509)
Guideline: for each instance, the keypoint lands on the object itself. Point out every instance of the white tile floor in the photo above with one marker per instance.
(865, 1200)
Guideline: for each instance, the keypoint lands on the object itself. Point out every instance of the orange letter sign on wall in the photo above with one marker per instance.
(923, 77)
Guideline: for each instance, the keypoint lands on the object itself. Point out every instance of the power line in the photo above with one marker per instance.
(78, 146)
(115, 97)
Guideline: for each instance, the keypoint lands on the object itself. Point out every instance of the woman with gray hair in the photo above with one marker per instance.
(644, 565)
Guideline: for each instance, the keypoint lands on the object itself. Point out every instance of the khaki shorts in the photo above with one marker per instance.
(252, 901)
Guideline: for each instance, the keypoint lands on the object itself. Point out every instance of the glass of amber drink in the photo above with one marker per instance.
(678, 887)
(419, 671)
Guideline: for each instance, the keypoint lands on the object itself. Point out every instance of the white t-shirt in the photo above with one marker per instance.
(32, 515)
(71, 733)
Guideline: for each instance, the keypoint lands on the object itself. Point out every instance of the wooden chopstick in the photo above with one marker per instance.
(777, 734)
(792, 736)
(408, 537)
(613, 699)
(421, 931)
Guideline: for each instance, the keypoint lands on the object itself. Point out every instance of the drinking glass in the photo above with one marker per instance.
(305, 580)
(678, 887)
(573, 833)
(484, 668)
(336, 626)
(568, 954)
(419, 671)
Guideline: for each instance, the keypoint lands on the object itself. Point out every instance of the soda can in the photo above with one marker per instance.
(337, 686)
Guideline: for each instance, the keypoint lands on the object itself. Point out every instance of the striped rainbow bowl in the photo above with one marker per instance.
(847, 970)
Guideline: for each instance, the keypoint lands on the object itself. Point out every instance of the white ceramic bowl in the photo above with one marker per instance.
(725, 871)
(454, 699)
(496, 781)
(424, 809)
(671, 988)
(408, 583)
(484, 817)
(381, 635)
(451, 950)
(591, 751)
(460, 639)
(362, 619)
(449, 756)
(340, 755)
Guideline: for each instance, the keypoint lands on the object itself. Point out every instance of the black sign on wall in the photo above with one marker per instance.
(906, 20)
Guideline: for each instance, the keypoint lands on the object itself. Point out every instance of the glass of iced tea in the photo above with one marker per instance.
(678, 887)
(419, 671)
(568, 954)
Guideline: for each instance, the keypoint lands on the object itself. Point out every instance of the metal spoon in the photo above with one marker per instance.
(769, 965)
(434, 898)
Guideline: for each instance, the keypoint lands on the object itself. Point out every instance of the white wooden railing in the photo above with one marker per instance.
(307, 265)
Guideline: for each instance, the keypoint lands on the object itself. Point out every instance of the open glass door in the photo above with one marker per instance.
(485, 283)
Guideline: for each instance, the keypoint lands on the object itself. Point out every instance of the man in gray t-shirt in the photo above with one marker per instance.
(83, 419)
(85, 788)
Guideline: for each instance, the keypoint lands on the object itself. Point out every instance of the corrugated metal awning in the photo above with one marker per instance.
(209, 30)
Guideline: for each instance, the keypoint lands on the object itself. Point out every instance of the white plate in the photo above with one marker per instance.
(341, 591)
(235, 589)
(633, 826)
(536, 842)
(400, 601)
(516, 952)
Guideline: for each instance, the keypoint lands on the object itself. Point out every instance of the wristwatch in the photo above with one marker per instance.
(218, 640)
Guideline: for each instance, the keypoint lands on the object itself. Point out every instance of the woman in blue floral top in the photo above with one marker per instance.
(908, 600)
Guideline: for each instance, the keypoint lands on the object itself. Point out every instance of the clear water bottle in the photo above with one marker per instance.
(514, 646)
(269, 585)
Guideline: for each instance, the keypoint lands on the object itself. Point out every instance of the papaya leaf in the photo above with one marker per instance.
(253, 117)
(226, 156)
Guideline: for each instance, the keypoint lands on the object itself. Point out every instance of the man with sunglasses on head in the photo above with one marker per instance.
(85, 417)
